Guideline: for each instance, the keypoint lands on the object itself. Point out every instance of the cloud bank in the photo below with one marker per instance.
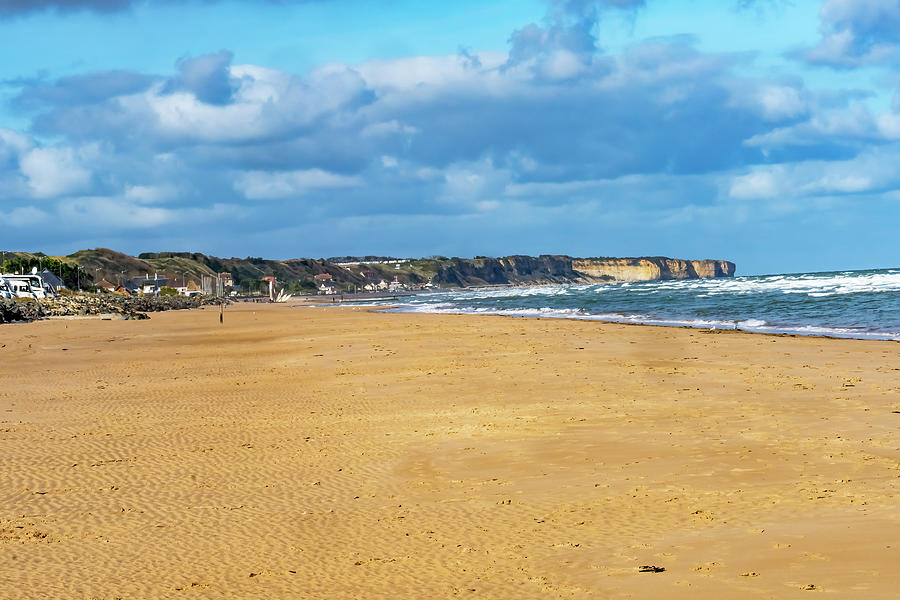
(497, 152)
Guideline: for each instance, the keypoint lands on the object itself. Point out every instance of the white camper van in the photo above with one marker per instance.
(30, 286)
(21, 287)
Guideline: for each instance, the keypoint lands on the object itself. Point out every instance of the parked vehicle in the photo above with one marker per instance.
(5, 289)
(20, 288)
(29, 286)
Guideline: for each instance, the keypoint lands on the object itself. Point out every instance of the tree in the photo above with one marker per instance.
(69, 273)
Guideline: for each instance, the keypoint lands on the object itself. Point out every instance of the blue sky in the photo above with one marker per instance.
(765, 132)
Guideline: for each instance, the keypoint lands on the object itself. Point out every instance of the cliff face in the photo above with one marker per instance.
(565, 269)
(650, 269)
(713, 268)
(465, 272)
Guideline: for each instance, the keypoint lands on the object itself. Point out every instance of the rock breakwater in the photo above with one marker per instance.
(126, 307)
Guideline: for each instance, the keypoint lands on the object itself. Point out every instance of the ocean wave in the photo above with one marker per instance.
(750, 325)
(863, 304)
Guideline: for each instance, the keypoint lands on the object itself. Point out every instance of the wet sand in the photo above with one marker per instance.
(340, 453)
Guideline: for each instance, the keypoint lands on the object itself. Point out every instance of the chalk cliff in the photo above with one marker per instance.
(650, 268)
(466, 272)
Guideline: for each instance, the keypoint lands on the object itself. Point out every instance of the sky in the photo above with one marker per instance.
(766, 132)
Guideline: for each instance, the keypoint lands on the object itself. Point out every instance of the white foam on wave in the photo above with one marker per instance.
(749, 299)
(750, 325)
(814, 285)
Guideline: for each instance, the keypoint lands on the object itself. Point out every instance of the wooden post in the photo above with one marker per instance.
(222, 311)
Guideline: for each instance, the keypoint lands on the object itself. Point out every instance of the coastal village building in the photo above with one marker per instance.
(326, 283)
(50, 278)
(148, 285)
(103, 284)
(227, 279)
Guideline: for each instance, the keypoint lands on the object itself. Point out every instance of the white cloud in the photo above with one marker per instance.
(257, 185)
(802, 182)
(857, 33)
(543, 189)
(823, 127)
(149, 194)
(13, 145)
(562, 64)
(23, 216)
(428, 72)
(114, 212)
(56, 171)
(755, 185)
(839, 183)
(182, 115)
(474, 184)
(781, 102)
(386, 128)
(889, 125)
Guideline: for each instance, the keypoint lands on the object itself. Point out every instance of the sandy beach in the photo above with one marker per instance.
(297, 452)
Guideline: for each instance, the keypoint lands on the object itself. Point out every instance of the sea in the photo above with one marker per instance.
(847, 304)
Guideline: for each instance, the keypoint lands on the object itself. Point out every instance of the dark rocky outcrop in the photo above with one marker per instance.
(14, 310)
(126, 307)
(466, 272)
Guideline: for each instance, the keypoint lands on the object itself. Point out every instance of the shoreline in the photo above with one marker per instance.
(304, 302)
(391, 309)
